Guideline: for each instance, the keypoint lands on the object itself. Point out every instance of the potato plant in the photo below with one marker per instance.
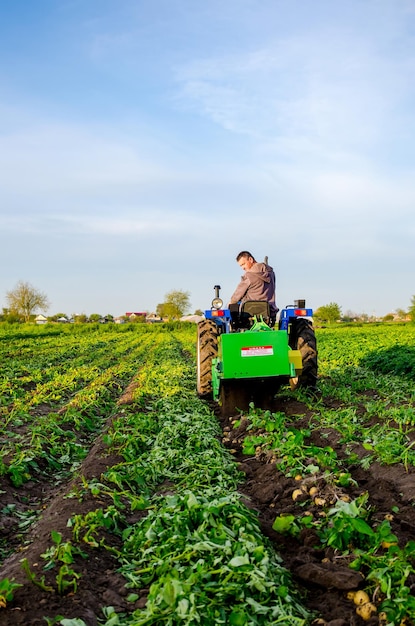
(196, 548)
(166, 508)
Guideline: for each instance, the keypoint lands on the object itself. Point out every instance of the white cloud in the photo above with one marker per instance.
(290, 134)
(57, 156)
(329, 93)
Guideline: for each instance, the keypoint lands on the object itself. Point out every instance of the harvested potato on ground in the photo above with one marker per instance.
(361, 597)
(365, 611)
(297, 493)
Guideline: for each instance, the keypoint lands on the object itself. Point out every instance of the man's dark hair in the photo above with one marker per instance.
(246, 255)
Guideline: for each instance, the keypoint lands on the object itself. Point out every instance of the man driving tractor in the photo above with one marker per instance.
(243, 355)
(257, 283)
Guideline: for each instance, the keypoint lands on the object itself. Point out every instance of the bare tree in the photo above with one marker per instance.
(25, 299)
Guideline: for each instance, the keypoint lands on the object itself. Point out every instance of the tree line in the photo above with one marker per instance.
(331, 313)
(25, 300)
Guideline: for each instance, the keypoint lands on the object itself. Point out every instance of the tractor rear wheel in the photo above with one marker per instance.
(207, 349)
(303, 338)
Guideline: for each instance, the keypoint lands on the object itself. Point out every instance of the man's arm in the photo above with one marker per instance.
(240, 290)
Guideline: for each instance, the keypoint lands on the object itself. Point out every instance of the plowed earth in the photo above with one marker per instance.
(323, 577)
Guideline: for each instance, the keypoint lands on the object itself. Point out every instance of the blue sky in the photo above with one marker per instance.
(144, 143)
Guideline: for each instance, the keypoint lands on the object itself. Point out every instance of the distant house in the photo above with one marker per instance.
(41, 319)
(133, 315)
(153, 317)
(62, 319)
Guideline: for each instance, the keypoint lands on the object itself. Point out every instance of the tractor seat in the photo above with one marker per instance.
(243, 317)
(256, 307)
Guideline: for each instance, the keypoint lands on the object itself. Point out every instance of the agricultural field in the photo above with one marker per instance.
(127, 500)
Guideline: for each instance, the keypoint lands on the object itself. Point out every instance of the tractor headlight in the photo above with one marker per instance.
(217, 303)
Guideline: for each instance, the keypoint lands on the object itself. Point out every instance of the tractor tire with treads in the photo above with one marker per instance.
(207, 349)
(303, 338)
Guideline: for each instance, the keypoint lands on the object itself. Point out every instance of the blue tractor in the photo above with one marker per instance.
(244, 356)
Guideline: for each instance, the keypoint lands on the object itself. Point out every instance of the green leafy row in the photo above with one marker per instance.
(199, 550)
